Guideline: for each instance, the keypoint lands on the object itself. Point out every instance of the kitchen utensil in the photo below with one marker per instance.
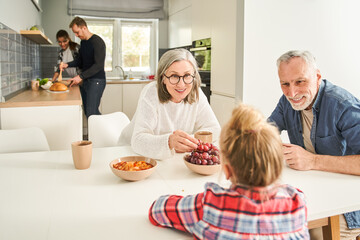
(60, 76)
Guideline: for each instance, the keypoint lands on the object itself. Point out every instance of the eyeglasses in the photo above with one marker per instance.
(175, 79)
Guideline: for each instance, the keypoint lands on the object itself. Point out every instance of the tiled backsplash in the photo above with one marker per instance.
(48, 60)
(19, 61)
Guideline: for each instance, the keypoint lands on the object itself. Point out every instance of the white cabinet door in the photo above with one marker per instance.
(131, 93)
(226, 50)
(112, 99)
(179, 23)
(203, 13)
(180, 28)
(178, 5)
(62, 125)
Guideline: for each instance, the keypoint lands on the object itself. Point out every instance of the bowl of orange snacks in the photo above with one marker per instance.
(133, 168)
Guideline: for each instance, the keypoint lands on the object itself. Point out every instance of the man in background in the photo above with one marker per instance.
(323, 124)
(91, 62)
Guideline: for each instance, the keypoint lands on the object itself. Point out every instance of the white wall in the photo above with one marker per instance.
(55, 17)
(19, 14)
(327, 28)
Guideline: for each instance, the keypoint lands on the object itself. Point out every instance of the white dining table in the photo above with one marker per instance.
(42, 196)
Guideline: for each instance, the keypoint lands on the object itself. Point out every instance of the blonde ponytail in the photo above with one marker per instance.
(252, 147)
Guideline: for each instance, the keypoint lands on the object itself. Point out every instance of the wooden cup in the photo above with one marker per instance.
(82, 154)
(204, 136)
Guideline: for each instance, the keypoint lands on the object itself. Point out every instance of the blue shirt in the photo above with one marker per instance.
(335, 130)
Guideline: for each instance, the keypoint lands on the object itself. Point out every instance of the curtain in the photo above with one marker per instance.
(117, 8)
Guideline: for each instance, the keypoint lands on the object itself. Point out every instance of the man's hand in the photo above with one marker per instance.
(75, 81)
(182, 142)
(298, 158)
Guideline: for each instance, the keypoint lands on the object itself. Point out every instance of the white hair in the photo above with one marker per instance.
(305, 55)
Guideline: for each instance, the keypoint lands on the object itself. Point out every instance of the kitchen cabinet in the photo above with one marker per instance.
(59, 115)
(121, 97)
(222, 107)
(202, 15)
(62, 125)
(112, 99)
(178, 5)
(227, 41)
(179, 23)
(131, 94)
(225, 64)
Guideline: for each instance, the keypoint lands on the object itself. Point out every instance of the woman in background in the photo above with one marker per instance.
(170, 110)
(69, 51)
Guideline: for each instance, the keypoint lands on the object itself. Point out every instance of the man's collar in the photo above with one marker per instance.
(316, 105)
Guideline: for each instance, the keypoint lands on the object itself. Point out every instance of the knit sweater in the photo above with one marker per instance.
(153, 122)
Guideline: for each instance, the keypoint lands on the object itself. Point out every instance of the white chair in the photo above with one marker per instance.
(30, 139)
(104, 130)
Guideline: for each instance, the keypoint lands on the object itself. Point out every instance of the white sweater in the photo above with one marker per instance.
(153, 123)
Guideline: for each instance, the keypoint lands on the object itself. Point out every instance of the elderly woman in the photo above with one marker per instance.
(170, 110)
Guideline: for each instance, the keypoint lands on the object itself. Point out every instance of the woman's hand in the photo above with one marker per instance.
(62, 66)
(182, 142)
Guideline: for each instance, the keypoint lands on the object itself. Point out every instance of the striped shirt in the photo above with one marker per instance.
(275, 212)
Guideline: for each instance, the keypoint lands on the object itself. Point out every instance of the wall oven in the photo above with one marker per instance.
(201, 49)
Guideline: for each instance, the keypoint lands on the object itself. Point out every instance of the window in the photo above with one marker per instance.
(131, 44)
(106, 31)
(135, 39)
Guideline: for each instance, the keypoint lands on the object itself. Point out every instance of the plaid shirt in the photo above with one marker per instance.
(236, 213)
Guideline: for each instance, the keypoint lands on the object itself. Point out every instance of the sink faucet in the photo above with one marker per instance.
(123, 73)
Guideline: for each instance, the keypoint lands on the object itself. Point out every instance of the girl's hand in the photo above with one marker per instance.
(62, 66)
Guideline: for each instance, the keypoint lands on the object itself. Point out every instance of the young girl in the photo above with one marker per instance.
(255, 206)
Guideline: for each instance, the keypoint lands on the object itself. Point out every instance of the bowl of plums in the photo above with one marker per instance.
(204, 160)
(133, 168)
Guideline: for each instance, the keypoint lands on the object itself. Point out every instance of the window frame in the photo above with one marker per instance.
(117, 54)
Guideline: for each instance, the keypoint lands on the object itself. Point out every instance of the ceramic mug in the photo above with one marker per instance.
(204, 136)
(82, 154)
(35, 84)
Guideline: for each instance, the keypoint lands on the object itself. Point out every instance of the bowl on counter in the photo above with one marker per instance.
(47, 85)
(134, 173)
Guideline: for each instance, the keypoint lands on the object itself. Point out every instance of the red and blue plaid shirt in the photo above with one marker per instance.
(276, 212)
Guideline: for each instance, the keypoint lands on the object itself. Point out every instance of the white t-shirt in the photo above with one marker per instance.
(153, 122)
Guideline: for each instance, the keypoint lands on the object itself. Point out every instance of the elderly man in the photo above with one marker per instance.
(323, 124)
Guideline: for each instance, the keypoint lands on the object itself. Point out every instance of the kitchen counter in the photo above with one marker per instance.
(127, 81)
(30, 98)
(58, 114)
